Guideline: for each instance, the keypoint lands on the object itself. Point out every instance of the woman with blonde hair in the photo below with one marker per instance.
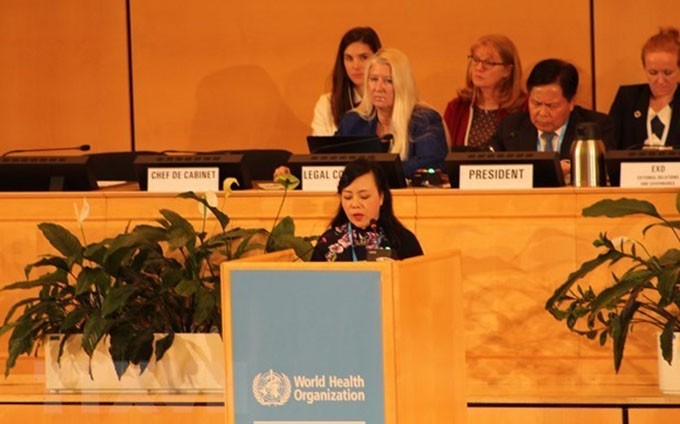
(649, 114)
(493, 89)
(391, 106)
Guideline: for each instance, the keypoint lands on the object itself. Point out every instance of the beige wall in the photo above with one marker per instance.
(220, 74)
(63, 78)
(217, 77)
(621, 28)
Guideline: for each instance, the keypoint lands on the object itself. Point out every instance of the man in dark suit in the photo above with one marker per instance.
(550, 124)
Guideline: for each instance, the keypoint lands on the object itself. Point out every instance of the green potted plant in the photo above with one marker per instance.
(137, 289)
(646, 292)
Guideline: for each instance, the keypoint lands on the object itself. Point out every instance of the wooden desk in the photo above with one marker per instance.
(28, 403)
(517, 247)
(619, 404)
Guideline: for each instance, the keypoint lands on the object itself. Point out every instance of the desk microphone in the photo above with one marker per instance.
(82, 148)
(648, 146)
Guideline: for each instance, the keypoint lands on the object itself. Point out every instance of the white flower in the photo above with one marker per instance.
(622, 241)
(228, 183)
(82, 213)
(211, 198)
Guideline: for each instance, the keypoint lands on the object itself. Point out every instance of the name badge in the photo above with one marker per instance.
(321, 178)
(170, 180)
(494, 177)
(650, 174)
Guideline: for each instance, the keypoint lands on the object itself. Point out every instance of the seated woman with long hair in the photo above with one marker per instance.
(391, 106)
(356, 47)
(493, 89)
(365, 220)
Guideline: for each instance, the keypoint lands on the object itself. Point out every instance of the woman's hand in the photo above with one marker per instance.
(565, 164)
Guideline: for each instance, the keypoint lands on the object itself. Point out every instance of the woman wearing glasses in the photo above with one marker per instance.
(493, 88)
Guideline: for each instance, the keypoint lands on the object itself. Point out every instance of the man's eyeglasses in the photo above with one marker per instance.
(486, 64)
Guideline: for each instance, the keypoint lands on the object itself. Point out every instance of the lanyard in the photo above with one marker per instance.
(351, 241)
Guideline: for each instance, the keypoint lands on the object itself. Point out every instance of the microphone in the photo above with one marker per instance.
(82, 148)
(648, 146)
(373, 225)
(193, 152)
(344, 146)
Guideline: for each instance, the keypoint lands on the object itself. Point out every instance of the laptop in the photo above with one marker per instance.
(348, 144)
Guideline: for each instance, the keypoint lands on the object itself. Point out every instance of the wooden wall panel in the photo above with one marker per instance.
(225, 75)
(247, 74)
(653, 416)
(621, 28)
(543, 416)
(63, 77)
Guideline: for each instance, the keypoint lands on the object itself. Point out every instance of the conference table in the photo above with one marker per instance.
(517, 246)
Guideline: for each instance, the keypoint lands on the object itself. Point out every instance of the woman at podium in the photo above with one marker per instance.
(365, 226)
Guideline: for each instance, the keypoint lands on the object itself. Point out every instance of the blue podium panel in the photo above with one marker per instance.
(307, 347)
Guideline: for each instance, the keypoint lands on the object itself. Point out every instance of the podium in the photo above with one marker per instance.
(350, 343)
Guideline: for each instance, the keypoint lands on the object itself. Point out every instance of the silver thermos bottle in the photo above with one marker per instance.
(587, 157)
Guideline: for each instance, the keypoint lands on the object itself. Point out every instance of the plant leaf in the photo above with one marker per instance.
(187, 287)
(554, 301)
(621, 207)
(205, 305)
(628, 283)
(21, 341)
(88, 277)
(92, 334)
(668, 279)
(50, 279)
(63, 240)
(117, 298)
(620, 326)
(666, 341)
(141, 349)
(181, 232)
(120, 339)
(54, 261)
(72, 319)
(163, 344)
(210, 203)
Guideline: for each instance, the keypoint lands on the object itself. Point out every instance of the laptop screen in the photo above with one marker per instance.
(348, 144)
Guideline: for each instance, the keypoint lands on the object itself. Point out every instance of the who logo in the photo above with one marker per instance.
(271, 388)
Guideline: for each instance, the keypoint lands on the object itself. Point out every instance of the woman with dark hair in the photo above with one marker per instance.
(365, 220)
(356, 47)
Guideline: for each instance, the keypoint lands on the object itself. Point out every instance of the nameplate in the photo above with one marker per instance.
(321, 178)
(169, 180)
(650, 174)
(493, 177)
